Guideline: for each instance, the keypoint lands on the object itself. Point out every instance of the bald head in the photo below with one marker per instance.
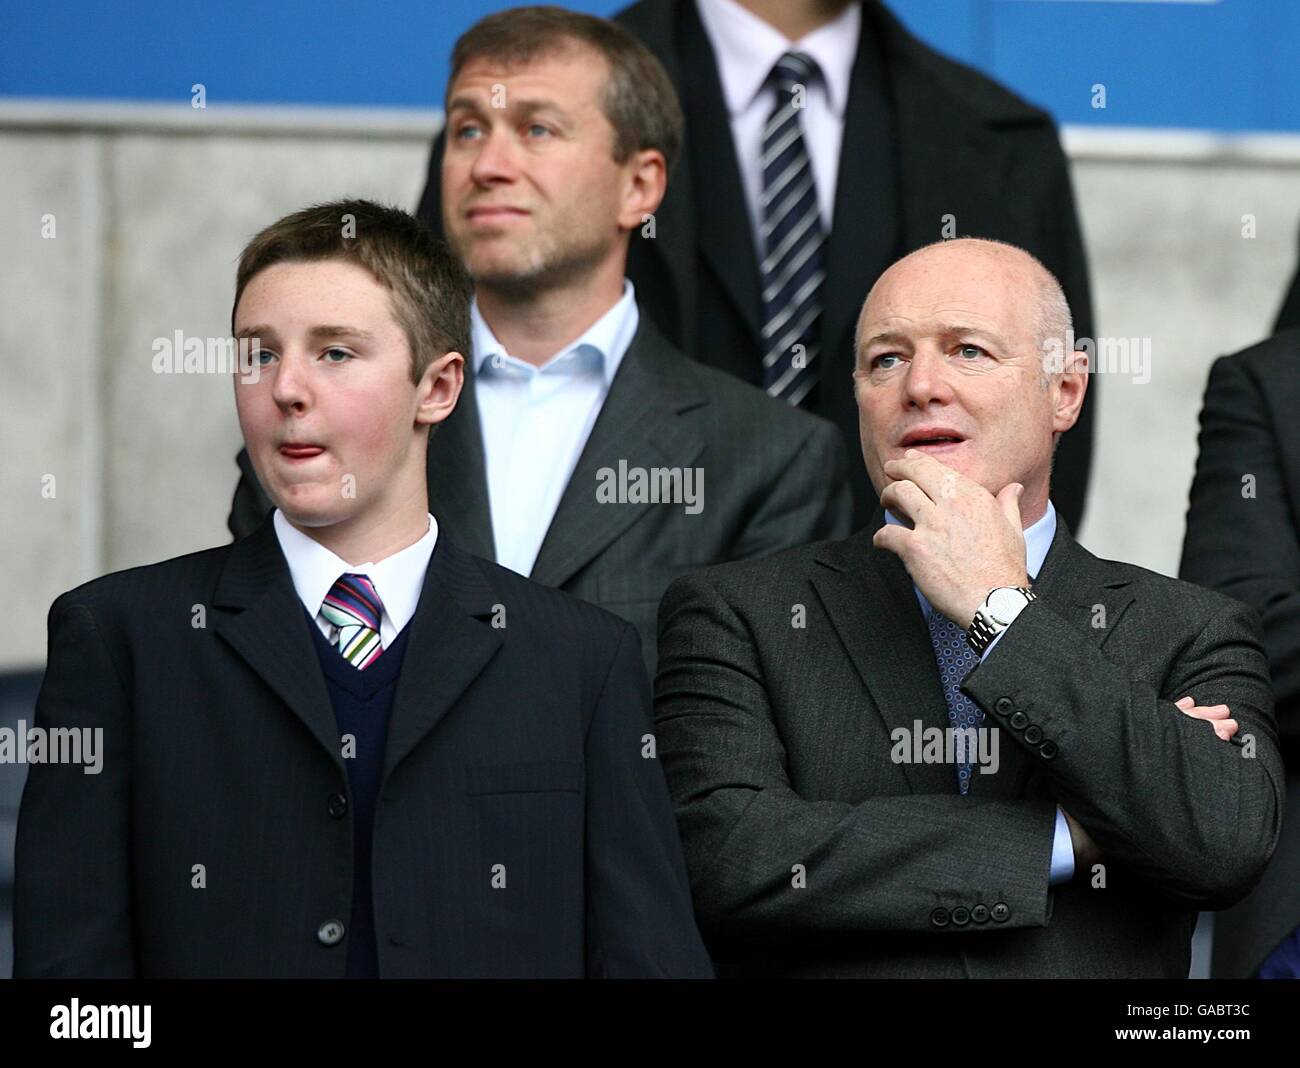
(1038, 296)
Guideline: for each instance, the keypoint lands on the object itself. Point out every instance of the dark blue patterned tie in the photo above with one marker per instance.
(792, 271)
(956, 659)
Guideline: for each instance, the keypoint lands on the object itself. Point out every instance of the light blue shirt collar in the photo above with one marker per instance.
(1038, 539)
(602, 347)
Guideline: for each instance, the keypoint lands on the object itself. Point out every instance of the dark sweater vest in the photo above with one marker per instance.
(363, 703)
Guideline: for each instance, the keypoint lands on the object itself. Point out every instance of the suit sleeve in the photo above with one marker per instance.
(1242, 546)
(766, 862)
(640, 922)
(72, 886)
(809, 500)
(251, 504)
(1157, 790)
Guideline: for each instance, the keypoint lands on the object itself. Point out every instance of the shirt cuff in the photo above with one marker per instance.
(996, 638)
(1062, 852)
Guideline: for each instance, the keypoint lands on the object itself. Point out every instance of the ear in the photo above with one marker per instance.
(645, 182)
(439, 388)
(1068, 389)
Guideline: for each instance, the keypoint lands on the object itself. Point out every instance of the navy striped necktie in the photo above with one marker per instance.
(792, 270)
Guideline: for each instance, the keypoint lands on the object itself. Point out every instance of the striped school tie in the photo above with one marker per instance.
(353, 606)
(792, 270)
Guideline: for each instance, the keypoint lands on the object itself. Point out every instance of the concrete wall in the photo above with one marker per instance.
(150, 212)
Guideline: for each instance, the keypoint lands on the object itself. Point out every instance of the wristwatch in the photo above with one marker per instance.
(1000, 607)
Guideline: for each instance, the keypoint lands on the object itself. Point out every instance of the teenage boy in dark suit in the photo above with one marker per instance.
(342, 746)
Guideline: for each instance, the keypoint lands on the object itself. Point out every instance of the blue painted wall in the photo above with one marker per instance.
(1223, 64)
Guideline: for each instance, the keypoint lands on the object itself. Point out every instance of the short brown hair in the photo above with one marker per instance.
(640, 101)
(428, 286)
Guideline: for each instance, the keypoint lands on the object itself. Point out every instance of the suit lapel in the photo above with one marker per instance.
(725, 238)
(673, 244)
(865, 231)
(452, 639)
(268, 628)
(1082, 589)
(869, 598)
(950, 161)
(457, 475)
(639, 426)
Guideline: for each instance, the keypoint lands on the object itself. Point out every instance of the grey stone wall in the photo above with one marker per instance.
(150, 213)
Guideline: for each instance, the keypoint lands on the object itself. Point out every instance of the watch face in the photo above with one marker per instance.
(1005, 603)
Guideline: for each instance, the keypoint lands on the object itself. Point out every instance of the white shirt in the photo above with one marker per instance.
(747, 49)
(536, 421)
(398, 579)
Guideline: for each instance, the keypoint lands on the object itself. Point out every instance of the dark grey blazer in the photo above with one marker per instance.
(517, 746)
(776, 743)
(774, 477)
(1249, 548)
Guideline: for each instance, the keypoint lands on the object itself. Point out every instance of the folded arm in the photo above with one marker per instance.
(1156, 789)
(764, 859)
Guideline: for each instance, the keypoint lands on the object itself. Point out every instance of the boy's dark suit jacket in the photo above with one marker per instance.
(1249, 548)
(924, 138)
(776, 740)
(513, 750)
(773, 478)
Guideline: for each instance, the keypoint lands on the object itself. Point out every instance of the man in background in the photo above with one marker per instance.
(1243, 539)
(823, 141)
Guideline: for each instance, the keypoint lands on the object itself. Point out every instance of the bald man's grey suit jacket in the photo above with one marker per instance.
(812, 852)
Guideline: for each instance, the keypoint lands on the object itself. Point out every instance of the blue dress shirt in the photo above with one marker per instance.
(536, 421)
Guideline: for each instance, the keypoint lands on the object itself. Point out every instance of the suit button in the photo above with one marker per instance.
(939, 917)
(1033, 734)
(1002, 706)
(337, 806)
(1019, 721)
(961, 916)
(330, 933)
(980, 914)
(1047, 750)
(1000, 913)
